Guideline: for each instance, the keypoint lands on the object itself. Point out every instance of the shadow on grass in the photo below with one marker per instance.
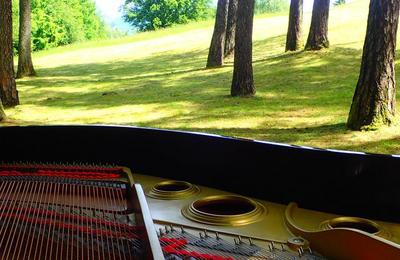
(284, 135)
(301, 96)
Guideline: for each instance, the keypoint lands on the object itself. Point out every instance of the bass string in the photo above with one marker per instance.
(87, 219)
(101, 216)
(19, 198)
(22, 234)
(73, 240)
(92, 199)
(69, 203)
(123, 209)
(46, 204)
(53, 217)
(78, 222)
(109, 244)
(89, 223)
(37, 193)
(5, 190)
(42, 227)
(117, 228)
(34, 196)
(9, 221)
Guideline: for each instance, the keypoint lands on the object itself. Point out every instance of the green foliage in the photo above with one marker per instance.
(271, 6)
(339, 2)
(147, 15)
(61, 22)
(15, 15)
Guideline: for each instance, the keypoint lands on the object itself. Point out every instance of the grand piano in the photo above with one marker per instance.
(203, 196)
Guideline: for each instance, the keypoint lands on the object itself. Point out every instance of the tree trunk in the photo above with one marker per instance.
(2, 114)
(8, 89)
(242, 83)
(231, 28)
(25, 65)
(318, 36)
(294, 34)
(374, 101)
(216, 53)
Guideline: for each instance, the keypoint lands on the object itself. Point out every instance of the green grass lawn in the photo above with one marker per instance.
(158, 79)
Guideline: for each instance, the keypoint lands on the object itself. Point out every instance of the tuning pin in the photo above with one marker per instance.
(282, 247)
(310, 251)
(166, 230)
(172, 228)
(161, 232)
(240, 239)
(236, 242)
(201, 235)
(217, 236)
(205, 233)
(271, 247)
(182, 230)
(300, 252)
(251, 241)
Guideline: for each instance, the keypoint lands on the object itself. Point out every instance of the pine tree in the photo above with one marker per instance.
(242, 83)
(8, 87)
(25, 65)
(318, 36)
(374, 101)
(216, 52)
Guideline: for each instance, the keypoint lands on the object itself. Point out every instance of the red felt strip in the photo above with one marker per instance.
(63, 174)
(174, 247)
(72, 227)
(63, 167)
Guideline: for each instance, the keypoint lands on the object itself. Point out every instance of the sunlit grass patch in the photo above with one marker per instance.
(158, 79)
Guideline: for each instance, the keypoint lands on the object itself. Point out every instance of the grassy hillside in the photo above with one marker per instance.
(158, 79)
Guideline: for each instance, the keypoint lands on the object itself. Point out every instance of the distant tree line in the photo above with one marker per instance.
(60, 22)
(147, 15)
(271, 6)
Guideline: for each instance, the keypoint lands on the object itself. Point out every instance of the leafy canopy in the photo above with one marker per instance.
(147, 15)
(271, 6)
(339, 2)
(61, 22)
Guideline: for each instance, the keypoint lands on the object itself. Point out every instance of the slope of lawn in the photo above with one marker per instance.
(158, 79)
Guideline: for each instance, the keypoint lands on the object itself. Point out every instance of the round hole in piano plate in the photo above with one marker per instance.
(172, 190)
(225, 206)
(224, 210)
(173, 186)
(355, 223)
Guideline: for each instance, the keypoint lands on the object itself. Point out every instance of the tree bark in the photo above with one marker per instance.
(242, 83)
(216, 53)
(318, 36)
(231, 28)
(294, 34)
(25, 65)
(374, 101)
(2, 114)
(8, 89)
